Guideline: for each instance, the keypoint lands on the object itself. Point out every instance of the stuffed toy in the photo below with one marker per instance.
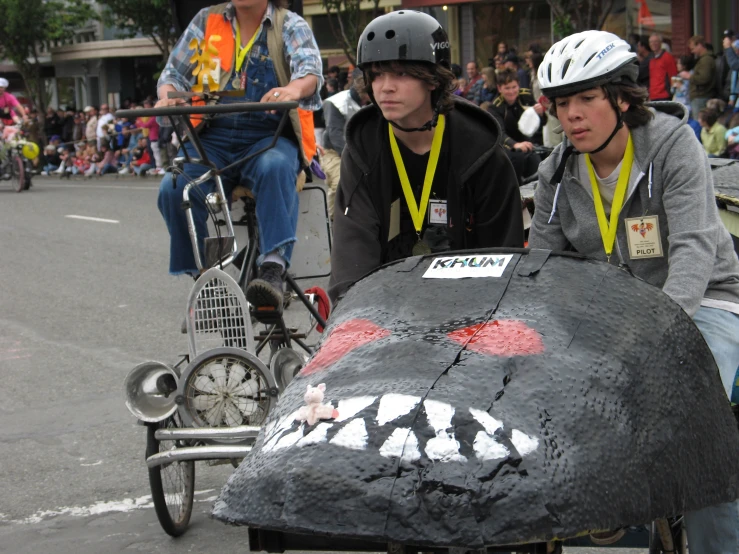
(314, 409)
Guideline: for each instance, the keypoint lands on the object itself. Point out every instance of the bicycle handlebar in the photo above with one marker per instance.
(238, 107)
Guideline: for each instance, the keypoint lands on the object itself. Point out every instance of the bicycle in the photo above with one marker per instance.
(212, 403)
(15, 160)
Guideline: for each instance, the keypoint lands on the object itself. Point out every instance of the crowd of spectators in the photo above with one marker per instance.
(92, 142)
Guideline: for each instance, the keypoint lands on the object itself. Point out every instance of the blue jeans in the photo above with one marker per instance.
(139, 169)
(715, 530)
(270, 176)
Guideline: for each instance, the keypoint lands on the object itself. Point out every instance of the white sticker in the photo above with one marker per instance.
(437, 212)
(473, 265)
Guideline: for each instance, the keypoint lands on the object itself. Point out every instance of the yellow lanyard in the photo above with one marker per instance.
(418, 211)
(608, 232)
(242, 52)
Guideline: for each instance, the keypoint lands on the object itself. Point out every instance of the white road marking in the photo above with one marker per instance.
(125, 505)
(86, 218)
(90, 186)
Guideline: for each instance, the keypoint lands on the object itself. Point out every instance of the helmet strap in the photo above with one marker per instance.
(619, 124)
(425, 127)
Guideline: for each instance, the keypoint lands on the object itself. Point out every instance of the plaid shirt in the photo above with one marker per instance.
(301, 52)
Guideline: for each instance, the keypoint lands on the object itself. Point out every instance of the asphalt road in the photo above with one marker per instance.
(81, 302)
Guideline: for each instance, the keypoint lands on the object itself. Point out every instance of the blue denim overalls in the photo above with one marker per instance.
(270, 176)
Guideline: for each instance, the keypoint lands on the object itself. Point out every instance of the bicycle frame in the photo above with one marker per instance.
(182, 115)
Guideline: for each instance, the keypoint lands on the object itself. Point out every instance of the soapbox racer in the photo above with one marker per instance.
(500, 400)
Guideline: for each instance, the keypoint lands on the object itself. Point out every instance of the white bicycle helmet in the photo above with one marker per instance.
(4, 82)
(586, 60)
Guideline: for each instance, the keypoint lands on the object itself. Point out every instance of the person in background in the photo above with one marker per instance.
(91, 124)
(150, 129)
(339, 109)
(644, 55)
(662, 68)
(731, 47)
(512, 63)
(101, 129)
(713, 135)
(703, 80)
(142, 158)
(11, 110)
(489, 89)
(68, 125)
(474, 82)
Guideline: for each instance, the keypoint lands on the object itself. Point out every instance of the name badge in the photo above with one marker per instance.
(644, 238)
(437, 212)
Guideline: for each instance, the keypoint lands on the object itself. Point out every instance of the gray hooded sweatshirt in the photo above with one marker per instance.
(673, 181)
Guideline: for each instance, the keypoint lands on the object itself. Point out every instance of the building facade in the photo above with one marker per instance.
(98, 67)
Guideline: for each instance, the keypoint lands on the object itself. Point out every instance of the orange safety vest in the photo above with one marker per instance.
(218, 25)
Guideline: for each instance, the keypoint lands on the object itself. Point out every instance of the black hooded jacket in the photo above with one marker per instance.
(482, 191)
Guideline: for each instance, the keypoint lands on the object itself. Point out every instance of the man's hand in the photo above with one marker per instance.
(281, 94)
(164, 101)
(539, 109)
(727, 42)
(525, 146)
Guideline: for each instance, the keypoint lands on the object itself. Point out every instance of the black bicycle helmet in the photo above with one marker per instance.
(407, 36)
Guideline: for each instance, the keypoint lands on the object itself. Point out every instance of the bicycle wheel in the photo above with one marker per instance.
(17, 173)
(172, 485)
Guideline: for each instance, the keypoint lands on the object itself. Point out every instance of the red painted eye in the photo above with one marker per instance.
(344, 338)
(500, 338)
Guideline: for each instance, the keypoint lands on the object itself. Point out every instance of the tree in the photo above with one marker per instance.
(26, 26)
(347, 21)
(150, 18)
(571, 16)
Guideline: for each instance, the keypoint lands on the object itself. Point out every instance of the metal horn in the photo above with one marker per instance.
(285, 365)
(151, 388)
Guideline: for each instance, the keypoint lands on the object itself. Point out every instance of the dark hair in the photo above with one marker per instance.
(643, 42)
(431, 74)
(334, 69)
(709, 116)
(512, 58)
(506, 76)
(687, 61)
(456, 70)
(280, 3)
(333, 83)
(535, 48)
(635, 96)
(536, 59)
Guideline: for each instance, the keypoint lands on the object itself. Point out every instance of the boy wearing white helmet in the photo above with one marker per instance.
(630, 185)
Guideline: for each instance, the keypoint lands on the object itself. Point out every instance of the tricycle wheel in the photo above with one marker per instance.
(172, 485)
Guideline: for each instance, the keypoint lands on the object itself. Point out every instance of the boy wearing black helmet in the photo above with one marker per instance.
(421, 171)
(630, 185)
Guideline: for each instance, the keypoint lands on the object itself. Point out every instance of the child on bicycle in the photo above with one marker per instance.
(630, 185)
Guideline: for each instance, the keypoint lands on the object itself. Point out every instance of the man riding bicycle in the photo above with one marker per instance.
(421, 172)
(269, 54)
(630, 185)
